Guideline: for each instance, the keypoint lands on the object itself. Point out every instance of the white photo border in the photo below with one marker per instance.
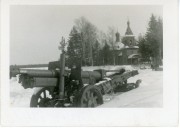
(166, 116)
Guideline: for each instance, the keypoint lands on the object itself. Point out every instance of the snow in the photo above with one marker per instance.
(109, 67)
(149, 94)
(19, 97)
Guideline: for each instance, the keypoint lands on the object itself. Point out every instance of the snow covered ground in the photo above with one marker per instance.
(149, 94)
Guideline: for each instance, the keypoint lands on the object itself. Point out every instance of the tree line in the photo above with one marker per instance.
(88, 46)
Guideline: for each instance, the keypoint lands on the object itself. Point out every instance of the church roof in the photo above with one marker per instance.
(133, 56)
(128, 30)
(119, 46)
(135, 47)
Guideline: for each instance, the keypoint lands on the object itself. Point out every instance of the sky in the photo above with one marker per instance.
(36, 30)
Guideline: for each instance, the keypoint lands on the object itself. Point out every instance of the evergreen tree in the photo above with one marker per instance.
(160, 36)
(96, 53)
(144, 49)
(152, 44)
(106, 53)
(101, 57)
(74, 49)
(153, 40)
(151, 37)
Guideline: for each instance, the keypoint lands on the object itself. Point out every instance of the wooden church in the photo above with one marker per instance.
(126, 49)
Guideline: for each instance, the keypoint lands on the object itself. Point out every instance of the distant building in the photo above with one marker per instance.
(126, 50)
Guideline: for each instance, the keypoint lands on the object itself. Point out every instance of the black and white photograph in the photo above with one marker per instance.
(87, 57)
(65, 56)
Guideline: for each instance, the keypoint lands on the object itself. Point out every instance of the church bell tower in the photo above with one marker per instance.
(129, 38)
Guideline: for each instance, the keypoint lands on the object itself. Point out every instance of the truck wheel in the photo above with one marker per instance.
(41, 97)
(89, 96)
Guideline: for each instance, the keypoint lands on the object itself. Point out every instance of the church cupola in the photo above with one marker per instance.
(129, 38)
(128, 30)
(117, 37)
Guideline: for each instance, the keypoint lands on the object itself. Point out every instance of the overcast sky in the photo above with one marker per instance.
(35, 30)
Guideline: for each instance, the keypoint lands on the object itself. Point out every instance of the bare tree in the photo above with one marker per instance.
(101, 38)
(111, 40)
(89, 37)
